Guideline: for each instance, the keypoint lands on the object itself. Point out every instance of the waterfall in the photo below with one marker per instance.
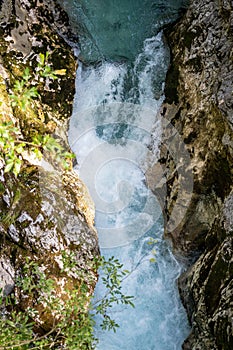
(114, 114)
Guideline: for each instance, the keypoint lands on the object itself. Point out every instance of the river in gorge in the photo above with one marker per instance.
(123, 60)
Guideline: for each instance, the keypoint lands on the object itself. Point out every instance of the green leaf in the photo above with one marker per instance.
(30, 93)
(17, 167)
(60, 72)
(41, 58)
(37, 153)
(26, 74)
(8, 167)
(18, 86)
(20, 148)
(23, 104)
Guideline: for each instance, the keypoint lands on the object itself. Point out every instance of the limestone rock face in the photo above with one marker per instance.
(44, 211)
(199, 106)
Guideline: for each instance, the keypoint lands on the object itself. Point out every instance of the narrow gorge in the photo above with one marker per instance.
(150, 123)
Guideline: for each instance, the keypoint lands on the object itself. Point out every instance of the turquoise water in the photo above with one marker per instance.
(114, 115)
(116, 29)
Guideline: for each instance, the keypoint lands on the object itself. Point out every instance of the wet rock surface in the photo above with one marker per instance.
(199, 105)
(44, 211)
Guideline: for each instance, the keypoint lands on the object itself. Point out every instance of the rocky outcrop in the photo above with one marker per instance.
(199, 106)
(44, 211)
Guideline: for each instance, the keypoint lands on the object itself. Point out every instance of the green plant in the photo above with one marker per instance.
(12, 144)
(113, 275)
(16, 329)
(72, 315)
(45, 70)
(53, 150)
(25, 90)
(12, 148)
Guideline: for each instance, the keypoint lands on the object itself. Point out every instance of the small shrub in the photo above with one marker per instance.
(73, 316)
(12, 144)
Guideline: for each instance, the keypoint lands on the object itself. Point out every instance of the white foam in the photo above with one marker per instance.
(127, 213)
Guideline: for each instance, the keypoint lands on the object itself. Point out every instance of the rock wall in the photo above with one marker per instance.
(43, 212)
(199, 105)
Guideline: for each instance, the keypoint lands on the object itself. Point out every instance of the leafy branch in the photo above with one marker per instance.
(45, 70)
(25, 91)
(73, 315)
(113, 276)
(12, 149)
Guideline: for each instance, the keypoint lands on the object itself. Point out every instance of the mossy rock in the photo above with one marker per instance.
(43, 213)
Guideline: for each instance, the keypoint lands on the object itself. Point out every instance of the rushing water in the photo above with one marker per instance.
(114, 113)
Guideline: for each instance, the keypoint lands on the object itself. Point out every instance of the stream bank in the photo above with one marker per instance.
(43, 213)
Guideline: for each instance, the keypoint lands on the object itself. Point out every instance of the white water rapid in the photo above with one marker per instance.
(114, 114)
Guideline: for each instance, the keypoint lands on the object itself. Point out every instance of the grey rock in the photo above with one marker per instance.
(7, 274)
(199, 104)
(43, 213)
